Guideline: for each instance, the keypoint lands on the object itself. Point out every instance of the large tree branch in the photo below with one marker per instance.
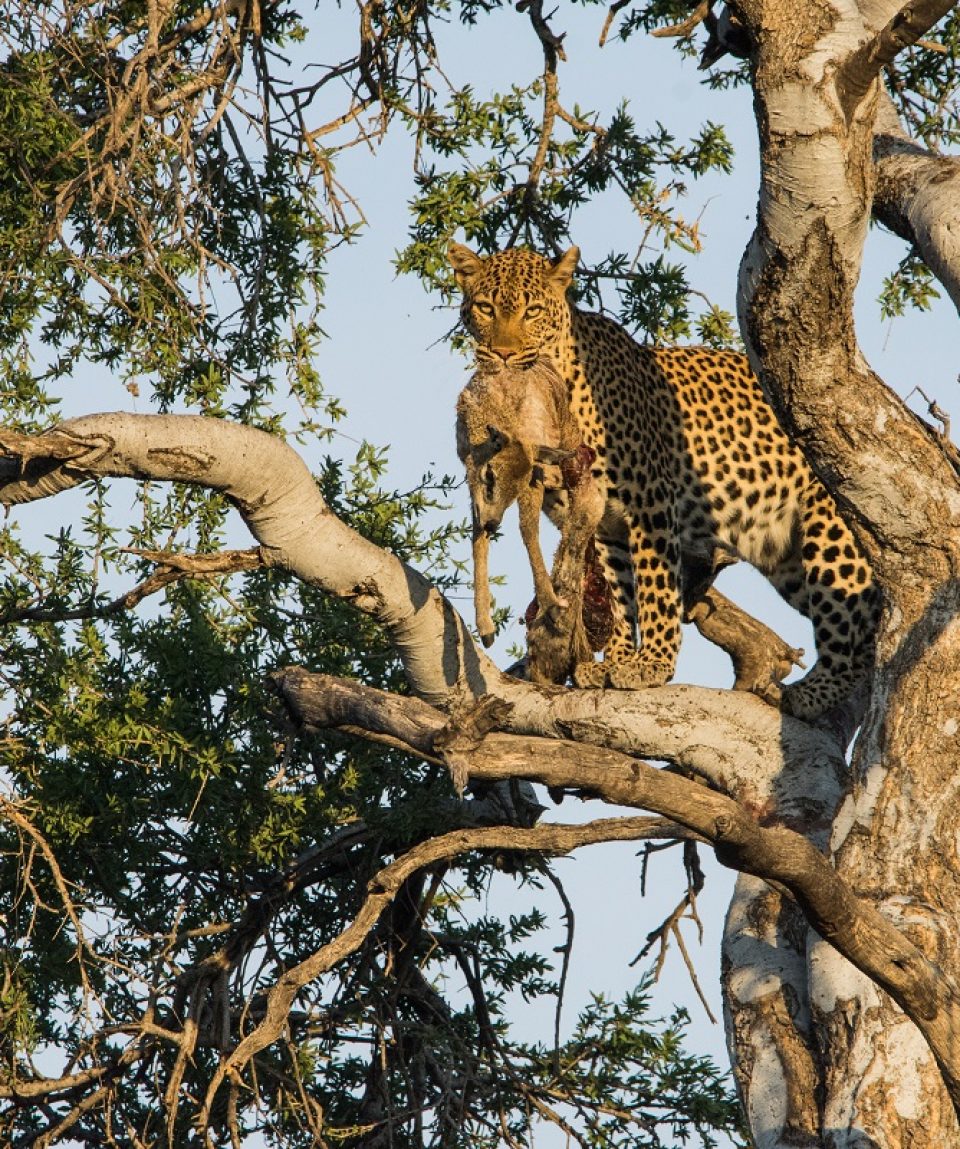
(738, 740)
(777, 854)
(779, 769)
(905, 27)
(917, 196)
(282, 506)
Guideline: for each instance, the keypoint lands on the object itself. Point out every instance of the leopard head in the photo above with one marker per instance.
(514, 302)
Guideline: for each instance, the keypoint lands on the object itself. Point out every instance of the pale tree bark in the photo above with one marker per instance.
(797, 1012)
(917, 196)
(751, 778)
(840, 980)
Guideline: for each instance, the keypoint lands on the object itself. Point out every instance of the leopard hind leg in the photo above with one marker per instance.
(827, 578)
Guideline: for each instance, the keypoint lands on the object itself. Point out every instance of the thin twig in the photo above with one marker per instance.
(567, 948)
(935, 411)
(383, 889)
(685, 27)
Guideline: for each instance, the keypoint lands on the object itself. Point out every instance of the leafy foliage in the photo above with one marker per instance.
(148, 220)
(924, 85)
(911, 285)
(473, 176)
(170, 196)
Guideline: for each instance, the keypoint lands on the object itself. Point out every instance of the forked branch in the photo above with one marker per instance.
(383, 889)
(705, 730)
(777, 854)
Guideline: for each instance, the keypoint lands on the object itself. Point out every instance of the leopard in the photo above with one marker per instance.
(697, 473)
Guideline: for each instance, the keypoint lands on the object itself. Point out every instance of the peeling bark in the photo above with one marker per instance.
(827, 140)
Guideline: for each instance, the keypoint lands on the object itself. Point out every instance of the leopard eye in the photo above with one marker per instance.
(482, 307)
(533, 311)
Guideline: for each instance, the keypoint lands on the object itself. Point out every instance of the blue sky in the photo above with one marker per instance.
(386, 361)
(407, 400)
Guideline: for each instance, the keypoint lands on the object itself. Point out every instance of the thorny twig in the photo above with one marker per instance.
(553, 51)
(173, 568)
(567, 950)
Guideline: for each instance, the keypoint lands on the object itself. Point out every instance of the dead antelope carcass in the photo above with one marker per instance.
(514, 430)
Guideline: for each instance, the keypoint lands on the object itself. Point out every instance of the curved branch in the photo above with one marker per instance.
(554, 839)
(740, 745)
(917, 196)
(775, 853)
(282, 506)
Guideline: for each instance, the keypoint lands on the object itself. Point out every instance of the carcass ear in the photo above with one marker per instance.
(465, 263)
(564, 268)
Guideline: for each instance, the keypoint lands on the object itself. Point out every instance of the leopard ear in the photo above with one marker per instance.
(564, 268)
(465, 263)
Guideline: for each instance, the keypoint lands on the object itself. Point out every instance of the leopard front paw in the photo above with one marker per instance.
(590, 675)
(637, 673)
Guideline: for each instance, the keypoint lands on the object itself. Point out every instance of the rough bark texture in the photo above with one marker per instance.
(868, 1080)
(790, 1002)
(822, 1054)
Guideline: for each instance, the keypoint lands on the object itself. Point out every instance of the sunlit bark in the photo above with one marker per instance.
(769, 776)
(818, 98)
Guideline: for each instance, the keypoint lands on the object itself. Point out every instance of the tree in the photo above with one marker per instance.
(230, 845)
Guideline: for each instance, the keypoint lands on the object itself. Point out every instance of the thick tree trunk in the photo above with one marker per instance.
(865, 1076)
(823, 1056)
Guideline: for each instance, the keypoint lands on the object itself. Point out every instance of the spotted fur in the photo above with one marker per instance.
(697, 472)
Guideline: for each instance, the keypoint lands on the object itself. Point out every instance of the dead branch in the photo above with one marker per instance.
(383, 889)
(685, 27)
(551, 41)
(942, 435)
(567, 950)
(761, 659)
(552, 45)
(686, 908)
(615, 7)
